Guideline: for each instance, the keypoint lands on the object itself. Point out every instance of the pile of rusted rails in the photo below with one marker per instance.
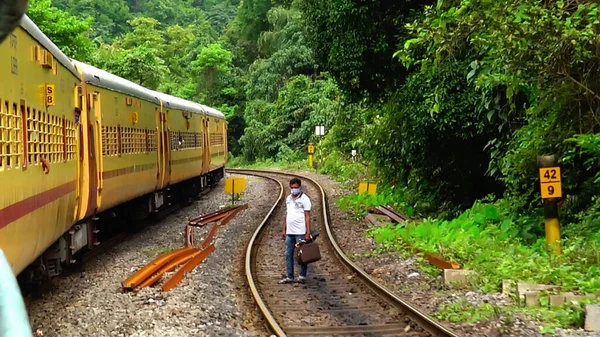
(187, 257)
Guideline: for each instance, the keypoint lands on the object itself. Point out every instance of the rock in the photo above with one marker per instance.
(592, 317)
(412, 275)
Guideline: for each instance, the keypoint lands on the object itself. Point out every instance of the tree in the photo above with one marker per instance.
(69, 33)
(212, 63)
(355, 41)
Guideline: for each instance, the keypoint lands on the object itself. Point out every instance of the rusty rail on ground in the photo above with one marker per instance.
(435, 260)
(189, 256)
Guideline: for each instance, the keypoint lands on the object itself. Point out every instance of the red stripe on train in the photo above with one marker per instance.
(18, 210)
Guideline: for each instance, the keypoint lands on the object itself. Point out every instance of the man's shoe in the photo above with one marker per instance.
(301, 279)
(285, 281)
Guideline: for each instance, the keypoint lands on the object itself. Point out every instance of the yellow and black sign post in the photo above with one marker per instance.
(311, 151)
(551, 191)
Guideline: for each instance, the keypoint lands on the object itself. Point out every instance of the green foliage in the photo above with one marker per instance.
(535, 68)
(212, 64)
(355, 41)
(566, 316)
(110, 16)
(69, 33)
(289, 121)
(463, 311)
(439, 154)
(486, 238)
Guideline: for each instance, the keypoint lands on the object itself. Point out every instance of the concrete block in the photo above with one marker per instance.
(532, 299)
(523, 288)
(592, 317)
(509, 287)
(572, 298)
(456, 276)
(557, 300)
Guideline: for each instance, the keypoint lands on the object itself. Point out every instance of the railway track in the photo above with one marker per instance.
(338, 299)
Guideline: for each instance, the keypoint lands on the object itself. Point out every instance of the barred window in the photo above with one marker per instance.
(109, 141)
(45, 137)
(216, 139)
(185, 140)
(151, 140)
(11, 145)
(70, 138)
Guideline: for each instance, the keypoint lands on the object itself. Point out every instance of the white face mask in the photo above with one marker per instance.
(295, 191)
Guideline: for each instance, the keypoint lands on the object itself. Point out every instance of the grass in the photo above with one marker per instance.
(157, 251)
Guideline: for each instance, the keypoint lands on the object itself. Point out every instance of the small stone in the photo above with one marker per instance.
(456, 276)
(413, 275)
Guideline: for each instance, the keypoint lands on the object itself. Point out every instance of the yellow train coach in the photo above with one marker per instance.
(79, 145)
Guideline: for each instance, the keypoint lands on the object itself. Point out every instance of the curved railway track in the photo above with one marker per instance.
(338, 299)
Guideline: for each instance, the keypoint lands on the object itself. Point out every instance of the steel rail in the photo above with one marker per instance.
(250, 251)
(422, 319)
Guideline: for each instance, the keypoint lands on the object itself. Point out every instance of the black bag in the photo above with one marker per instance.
(308, 253)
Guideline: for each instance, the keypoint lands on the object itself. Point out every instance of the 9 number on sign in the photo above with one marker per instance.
(550, 190)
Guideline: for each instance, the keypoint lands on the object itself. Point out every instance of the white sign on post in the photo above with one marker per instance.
(320, 130)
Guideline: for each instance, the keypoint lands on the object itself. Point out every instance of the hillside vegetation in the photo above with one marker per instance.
(448, 103)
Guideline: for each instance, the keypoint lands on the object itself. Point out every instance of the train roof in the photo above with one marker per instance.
(30, 27)
(212, 111)
(106, 80)
(182, 104)
(173, 102)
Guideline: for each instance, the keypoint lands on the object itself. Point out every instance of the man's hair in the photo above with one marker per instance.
(295, 181)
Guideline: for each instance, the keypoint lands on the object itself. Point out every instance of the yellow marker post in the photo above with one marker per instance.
(551, 191)
(369, 188)
(235, 186)
(311, 150)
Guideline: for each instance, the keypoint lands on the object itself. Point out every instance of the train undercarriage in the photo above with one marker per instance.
(129, 217)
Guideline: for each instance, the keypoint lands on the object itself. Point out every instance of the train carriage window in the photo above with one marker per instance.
(70, 138)
(109, 141)
(11, 147)
(152, 141)
(47, 139)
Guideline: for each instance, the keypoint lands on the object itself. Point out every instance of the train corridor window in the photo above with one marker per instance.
(11, 147)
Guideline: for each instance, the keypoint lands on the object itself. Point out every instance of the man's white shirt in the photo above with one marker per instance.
(295, 214)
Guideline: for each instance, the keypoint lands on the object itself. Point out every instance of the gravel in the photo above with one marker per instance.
(213, 300)
(210, 301)
(427, 293)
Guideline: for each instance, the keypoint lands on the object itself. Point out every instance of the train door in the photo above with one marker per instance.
(164, 153)
(206, 152)
(225, 149)
(94, 156)
(168, 159)
(160, 168)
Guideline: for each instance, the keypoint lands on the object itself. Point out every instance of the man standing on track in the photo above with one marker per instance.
(296, 227)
